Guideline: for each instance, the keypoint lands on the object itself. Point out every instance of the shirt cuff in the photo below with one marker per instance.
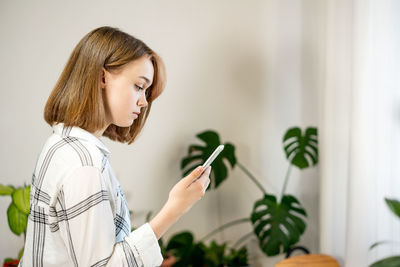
(146, 244)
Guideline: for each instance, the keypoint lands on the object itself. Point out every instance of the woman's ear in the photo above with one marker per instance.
(103, 78)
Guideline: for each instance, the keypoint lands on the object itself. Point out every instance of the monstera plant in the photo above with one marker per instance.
(278, 222)
(199, 154)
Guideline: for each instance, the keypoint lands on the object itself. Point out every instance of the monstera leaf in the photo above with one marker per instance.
(197, 155)
(277, 226)
(299, 147)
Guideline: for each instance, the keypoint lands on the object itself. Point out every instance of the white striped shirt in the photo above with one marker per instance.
(79, 215)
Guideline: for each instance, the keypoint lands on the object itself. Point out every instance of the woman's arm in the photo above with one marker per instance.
(86, 221)
(181, 198)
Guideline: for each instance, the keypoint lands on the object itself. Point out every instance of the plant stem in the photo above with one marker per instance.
(286, 180)
(242, 239)
(229, 224)
(252, 177)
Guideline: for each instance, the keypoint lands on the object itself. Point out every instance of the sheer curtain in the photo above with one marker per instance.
(360, 130)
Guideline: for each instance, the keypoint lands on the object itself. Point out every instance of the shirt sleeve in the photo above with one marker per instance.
(88, 228)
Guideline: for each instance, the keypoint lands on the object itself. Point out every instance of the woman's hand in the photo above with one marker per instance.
(188, 191)
(181, 198)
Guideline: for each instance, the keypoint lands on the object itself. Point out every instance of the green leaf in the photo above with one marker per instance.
(198, 154)
(278, 226)
(186, 252)
(20, 198)
(237, 257)
(301, 149)
(17, 220)
(376, 244)
(20, 253)
(181, 246)
(197, 257)
(387, 262)
(214, 254)
(6, 190)
(394, 206)
(183, 239)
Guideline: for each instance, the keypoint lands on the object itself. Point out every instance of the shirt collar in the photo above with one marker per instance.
(80, 133)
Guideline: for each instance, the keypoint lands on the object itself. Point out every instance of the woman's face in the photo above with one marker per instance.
(125, 91)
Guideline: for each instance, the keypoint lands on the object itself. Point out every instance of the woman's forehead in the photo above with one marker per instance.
(140, 68)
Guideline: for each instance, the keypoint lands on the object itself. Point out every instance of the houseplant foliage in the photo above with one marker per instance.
(270, 216)
(272, 239)
(18, 210)
(198, 154)
(393, 261)
(189, 253)
(278, 222)
(182, 250)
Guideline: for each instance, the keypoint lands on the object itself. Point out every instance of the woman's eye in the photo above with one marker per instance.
(138, 87)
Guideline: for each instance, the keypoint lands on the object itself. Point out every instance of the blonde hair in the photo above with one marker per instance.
(77, 98)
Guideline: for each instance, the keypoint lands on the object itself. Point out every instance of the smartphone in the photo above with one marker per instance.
(213, 156)
(210, 159)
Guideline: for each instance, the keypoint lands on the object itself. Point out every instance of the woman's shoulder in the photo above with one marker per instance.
(66, 153)
(59, 158)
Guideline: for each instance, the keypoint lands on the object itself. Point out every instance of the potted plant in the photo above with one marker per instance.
(188, 253)
(283, 211)
(182, 250)
(17, 214)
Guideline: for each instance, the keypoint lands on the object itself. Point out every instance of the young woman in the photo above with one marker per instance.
(79, 215)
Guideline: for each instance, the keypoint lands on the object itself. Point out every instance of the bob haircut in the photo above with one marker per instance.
(77, 98)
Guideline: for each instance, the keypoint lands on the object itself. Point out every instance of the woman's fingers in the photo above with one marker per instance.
(205, 178)
(189, 190)
(206, 186)
(193, 176)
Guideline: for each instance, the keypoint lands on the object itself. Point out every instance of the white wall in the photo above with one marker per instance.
(247, 69)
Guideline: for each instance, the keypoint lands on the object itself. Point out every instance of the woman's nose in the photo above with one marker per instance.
(142, 101)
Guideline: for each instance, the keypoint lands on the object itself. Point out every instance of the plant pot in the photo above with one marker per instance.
(10, 262)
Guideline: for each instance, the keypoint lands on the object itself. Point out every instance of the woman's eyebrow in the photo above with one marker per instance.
(146, 79)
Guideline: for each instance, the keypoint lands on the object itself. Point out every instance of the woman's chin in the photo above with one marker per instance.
(125, 123)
